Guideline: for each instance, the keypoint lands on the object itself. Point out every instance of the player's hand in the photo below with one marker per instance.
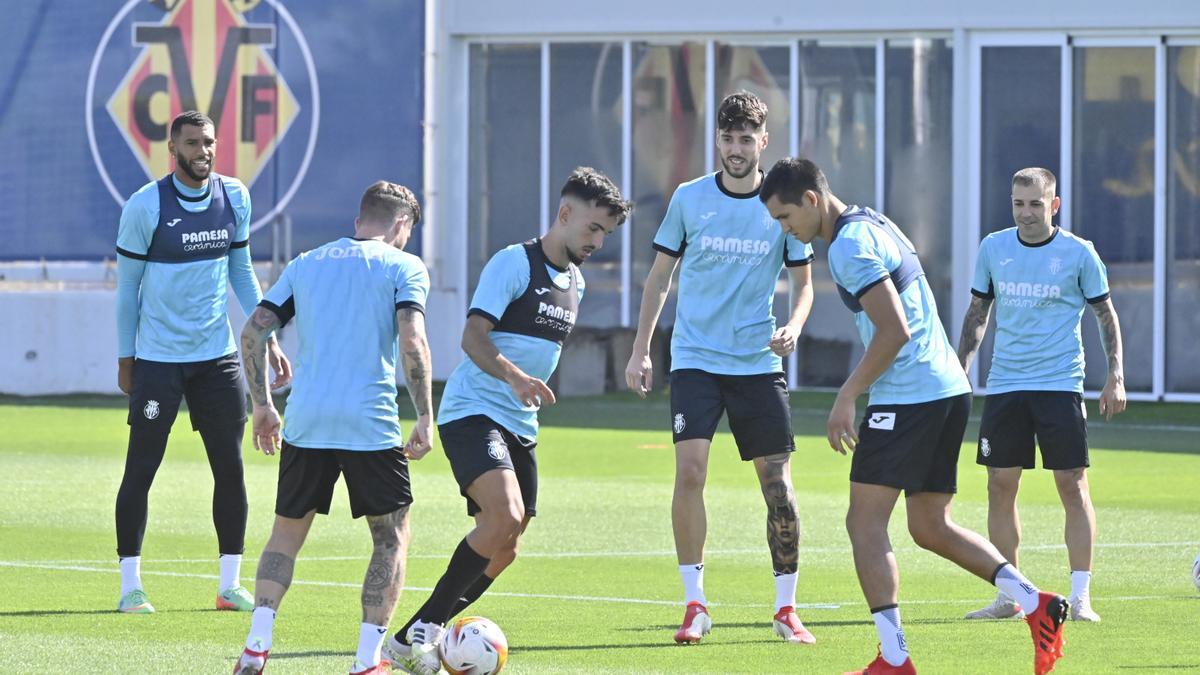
(279, 363)
(420, 439)
(531, 392)
(783, 342)
(840, 426)
(1112, 399)
(265, 425)
(639, 374)
(125, 374)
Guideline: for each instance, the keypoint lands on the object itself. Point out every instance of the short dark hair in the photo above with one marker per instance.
(1035, 175)
(741, 110)
(790, 178)
(194, 118)
(384, 202)
(593, 187)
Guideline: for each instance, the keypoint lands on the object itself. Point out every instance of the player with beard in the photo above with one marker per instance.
(182, 239)
(727, 354)
(524, 307)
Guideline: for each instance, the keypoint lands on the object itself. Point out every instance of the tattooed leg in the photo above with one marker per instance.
(385, 573)
(278, 560)
(783, 523)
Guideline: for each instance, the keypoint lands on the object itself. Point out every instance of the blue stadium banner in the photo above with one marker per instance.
(312, 101)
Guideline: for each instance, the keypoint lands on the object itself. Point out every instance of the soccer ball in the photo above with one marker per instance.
(1196, 572)
(474, 646)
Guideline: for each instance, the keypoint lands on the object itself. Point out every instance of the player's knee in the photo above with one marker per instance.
(690, 476)
(503, 523)
(1002, 489)
(1072, 486)
(927, 533)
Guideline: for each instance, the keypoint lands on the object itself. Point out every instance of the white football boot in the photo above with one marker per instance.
(424, 653)
(1003, 607)
(1081, 609)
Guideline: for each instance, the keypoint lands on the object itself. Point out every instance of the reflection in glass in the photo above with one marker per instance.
(1113, 196)
(503, 177)
(837, 131)
(1183, 218)
(668, 144)
(918, 126)
(585, 130)
(1021, 126)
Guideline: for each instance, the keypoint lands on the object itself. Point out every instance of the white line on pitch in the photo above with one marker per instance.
(549, 596)
(611, 554)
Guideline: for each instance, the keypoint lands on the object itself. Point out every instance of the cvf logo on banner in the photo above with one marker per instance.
(225, 58)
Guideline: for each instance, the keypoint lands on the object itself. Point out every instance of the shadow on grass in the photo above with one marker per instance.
(763, 624)
(81, 612)
(631, 645)
(307, 655)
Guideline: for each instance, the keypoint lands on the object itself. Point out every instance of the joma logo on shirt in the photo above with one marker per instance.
(1025, 289)
(735, 245)
(204, 236)
(556, 312)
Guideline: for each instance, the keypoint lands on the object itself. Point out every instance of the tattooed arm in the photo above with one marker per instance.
(1112, 399)
(266, 422)
(414, 350)
(974, 326)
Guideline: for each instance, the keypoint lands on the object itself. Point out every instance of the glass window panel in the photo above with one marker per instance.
(504, 158)
(585, 130)
(1183, 219)
(1113, 196)
(837, 131)
(668, 145)
(917, 136)
(1021, 126)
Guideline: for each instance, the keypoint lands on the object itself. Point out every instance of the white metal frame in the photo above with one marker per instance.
(967, 123)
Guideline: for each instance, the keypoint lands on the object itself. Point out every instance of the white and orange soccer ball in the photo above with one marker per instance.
(474, 646)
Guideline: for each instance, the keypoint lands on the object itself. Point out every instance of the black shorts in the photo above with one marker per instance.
(214, 391)
(1013, 419)
(377, 480)
(759, 415)
(476, 444)
(912, 447)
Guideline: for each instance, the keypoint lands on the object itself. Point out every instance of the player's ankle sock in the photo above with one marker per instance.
(262, 625)
(1012, 582)
(1081, 582)
(693, 582)
(231, 571)
(131, 574)
(465, 567)
(370, 644)
(785, 590)
(891, 634)
(473, 593)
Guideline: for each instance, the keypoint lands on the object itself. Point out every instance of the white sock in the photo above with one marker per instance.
(1081, 583)
(785, 590)
(1012, 582)
(262, 625)
(693, 583)
(131, 574)
(370, 644)
(231, 571)
(891, 635)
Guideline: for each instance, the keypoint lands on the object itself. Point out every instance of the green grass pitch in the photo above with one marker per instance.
(596, 587)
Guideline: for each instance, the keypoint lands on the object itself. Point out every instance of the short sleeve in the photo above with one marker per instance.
(136, 229)
(982, 286)
(281, 299)
(795, 252)
(672, 236)
(412, 287)
(1093, 276)
(856, 264)
(504, 279)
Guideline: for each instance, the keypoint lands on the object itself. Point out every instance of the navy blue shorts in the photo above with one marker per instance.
(214, 390)
(912, 447)
(1013, 420)
(476, 444)
(758, 406)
